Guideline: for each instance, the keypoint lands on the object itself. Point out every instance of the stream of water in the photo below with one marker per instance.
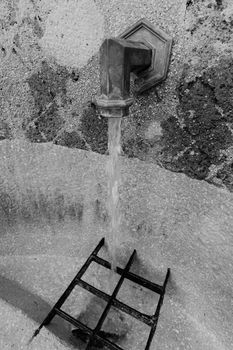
(113, 172)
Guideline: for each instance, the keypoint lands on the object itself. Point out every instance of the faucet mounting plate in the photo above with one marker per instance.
(160, 43)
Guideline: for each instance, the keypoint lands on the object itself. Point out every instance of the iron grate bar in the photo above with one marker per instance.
(87, 330)
(73, 321)
(110, 345)
(131, 276)
(69, 289)
(118, 304)
(113, 296)
(96, 334)
(157, 312)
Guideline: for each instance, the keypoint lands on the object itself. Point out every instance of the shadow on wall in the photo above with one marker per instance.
(34, 307)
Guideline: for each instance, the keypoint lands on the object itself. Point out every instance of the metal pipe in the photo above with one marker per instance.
(118, 58)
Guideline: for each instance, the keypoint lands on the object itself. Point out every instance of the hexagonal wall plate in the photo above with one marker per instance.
(160, 43)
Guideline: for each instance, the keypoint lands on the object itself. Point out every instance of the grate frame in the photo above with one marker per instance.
(95, 335)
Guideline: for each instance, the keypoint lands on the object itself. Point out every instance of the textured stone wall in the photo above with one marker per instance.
(49, 72)
(197, 140)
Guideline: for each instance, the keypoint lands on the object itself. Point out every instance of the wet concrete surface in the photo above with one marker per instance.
(171, 220)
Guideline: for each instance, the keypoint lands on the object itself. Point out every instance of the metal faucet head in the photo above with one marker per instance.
(141, 49)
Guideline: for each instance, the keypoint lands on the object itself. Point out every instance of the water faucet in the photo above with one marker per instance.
(141, 49)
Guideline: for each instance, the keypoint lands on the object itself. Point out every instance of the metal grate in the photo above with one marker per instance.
(95, 336)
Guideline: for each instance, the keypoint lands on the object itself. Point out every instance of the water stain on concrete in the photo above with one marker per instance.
(45, 86)
(5, 132)
(194, 140)
(71, 139)
(94, 129)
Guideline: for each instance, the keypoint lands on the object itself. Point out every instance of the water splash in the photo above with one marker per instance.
(113, 172)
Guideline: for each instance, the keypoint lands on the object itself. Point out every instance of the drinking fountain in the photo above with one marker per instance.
(145, 51)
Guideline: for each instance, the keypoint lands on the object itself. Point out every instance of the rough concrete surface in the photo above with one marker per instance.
(171, 220)
(53, 182)
(74, 31)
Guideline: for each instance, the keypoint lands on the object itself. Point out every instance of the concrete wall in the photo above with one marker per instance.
(50, 72)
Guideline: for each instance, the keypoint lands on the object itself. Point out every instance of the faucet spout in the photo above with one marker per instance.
(142, 49)
(118, 58)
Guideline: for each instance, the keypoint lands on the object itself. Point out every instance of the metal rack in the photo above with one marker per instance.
(94, 336)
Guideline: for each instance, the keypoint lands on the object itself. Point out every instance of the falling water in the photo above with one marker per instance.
(113, 171)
